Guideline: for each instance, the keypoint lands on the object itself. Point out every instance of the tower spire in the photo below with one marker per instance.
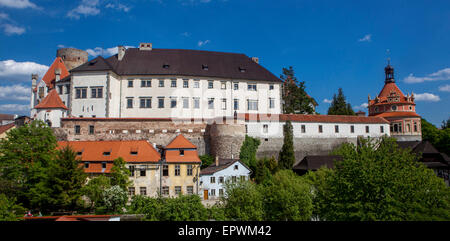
(389, 70)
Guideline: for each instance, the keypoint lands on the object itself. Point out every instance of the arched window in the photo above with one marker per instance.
(395, 128)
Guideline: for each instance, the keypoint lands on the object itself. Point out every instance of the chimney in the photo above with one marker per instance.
(361, 113)
(121, 52)
(255, 59)
(57, 74)
(217, 161)
(145, 46)
(34, 78)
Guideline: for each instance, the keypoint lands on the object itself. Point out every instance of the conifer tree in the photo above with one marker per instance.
(339, 106)
(287, 156)
(296, 100)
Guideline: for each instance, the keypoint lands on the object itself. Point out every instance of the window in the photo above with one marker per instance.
(251, 87)
(173, 102)
(185, 102)
(352, 129)
(320, 129)
(381, 129)
(134, 152)
(236, 104)
(211, 103)
(143, 191)
(146, 83)
(181, 152)
(367, 129)
(224, 104)
(213, 192)
(161, 83)
(129, 103)
(131, 171)
(91, 130)
(165, 170)
(242, 178)
(271, 86)
(271, 103)
(77, 129)
(173, 83)
(107, 153)
(177, 190)
(265, 128)
(223, 85)
(86, 165)
(130, 83)
(189, 170)
(303, 128)
(60, 89)
(252, 104)
(97, 92)
(145, 102)
(236, 167)
(142, 172)
(177, 170)
(336, 128)
(196, 84)
(41, 92)
(221, 179)
(190, 190)
(233, 179)
(394, 107)
(131, 191)
(204, 67)
(242, 69)
(165, 191)
(67, 89)
(160, 102)
(210, 84)
(235, 86)
(221, 192)
(103, 165)
(212, 180)
(80, 93)
(196, 103)
(415, 126)
(185, 83)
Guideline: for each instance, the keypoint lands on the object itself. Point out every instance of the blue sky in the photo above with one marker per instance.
(330, 44)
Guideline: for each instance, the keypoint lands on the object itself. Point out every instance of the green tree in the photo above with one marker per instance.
(339, 106)
(265, 168)
(94, 190)
(9, 210)
(380, 181)
(248, 152)
(445, 124)
(243, 201)
(120, 175)
(26, 153)
(440, 139)
(287, 155)
(115, 199)
(295, 98)
(207, 160)
(288, 198)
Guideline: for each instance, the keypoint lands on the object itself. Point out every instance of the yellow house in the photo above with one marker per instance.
(180, 170)
(5, 128)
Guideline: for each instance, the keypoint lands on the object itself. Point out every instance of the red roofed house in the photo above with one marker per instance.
(398, 109)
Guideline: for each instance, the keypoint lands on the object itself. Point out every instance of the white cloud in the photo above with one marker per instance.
(119, 7)
(15, 92)
(86, 8)
(18, 4)
(16, 108)
(361, 107)
(443, 74)
(327, 101)
(104, 52)
(366, 38)
(201, 43)
(10, 29)
(444, 88)
(4, 16)
(186, 34)
(21, 70)
(427, 97)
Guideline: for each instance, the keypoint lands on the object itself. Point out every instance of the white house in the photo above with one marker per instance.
(213, 178)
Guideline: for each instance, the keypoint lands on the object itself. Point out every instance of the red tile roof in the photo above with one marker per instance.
(49, 76)
(94, 151)
(398, 114)
(51, 101)
(174, 156)
(315, 118)
(180, 142)
(5, 128)
(388, 88)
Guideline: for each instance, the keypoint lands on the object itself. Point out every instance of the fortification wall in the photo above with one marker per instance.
(227, 139)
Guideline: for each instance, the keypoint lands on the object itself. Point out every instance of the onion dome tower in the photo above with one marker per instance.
(398, 109)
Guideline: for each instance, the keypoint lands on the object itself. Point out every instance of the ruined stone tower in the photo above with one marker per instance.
(227, 139)
(72, 57)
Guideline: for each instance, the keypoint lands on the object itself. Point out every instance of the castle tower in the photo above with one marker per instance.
(398, 109)
(72, 57)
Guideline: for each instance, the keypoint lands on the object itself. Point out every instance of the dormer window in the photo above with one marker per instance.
(204, 66)
(166, 66)
(134, 153)
(86, 165)
(242, 69)
(181, 152)
(107, 153)
(103, 165)
(79, 153)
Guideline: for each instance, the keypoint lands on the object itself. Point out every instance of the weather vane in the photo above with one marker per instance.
(388, 54)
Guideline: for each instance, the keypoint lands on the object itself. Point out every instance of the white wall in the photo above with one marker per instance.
(227, 173)
(88, 107)
(53, 115)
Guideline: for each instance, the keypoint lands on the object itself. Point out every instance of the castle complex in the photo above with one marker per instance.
(213, 99)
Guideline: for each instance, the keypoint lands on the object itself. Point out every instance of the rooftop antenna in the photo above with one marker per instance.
(388, 54)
